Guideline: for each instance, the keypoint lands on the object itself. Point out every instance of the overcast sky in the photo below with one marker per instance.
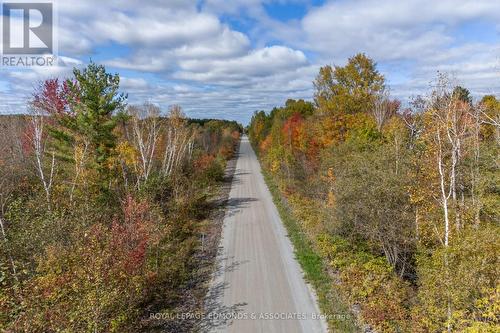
(228, 58)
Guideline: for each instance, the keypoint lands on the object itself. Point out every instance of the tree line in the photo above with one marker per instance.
(402, 203)
(103, 206)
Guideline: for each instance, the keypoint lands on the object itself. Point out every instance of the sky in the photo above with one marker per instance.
(228, 58)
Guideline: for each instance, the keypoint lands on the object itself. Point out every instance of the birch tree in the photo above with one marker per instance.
(178, 141)
(146, 129)
(475, 170)
(452, 124)
(489, 111)
(38, 141)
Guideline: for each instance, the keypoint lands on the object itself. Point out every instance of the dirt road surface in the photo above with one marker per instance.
(258, 285)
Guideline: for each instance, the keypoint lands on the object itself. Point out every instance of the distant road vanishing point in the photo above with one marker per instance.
(258, 285)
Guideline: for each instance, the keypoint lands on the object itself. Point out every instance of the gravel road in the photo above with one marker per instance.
(258, 285)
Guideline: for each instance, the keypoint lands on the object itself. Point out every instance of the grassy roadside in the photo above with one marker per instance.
(339, 316)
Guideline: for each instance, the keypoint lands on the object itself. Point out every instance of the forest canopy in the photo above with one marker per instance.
(401, 203)
(103, 207)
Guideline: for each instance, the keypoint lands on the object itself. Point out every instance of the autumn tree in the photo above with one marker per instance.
(384, 108)
(413, 193)
(300, 106)
(178, 141)
(451, 124)
(105, 254)
(146, 128)
(259, 126)
(489, 109)
(349, 89)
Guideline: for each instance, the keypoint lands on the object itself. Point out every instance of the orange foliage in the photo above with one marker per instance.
(226, 151)
(331, 130)
(266, 143)
(130, 239)
(294, 132)
(204, 162)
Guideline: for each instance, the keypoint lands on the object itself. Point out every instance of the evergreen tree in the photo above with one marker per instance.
(94, 108)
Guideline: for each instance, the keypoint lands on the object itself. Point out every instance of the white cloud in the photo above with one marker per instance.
(224, 44)
(390, 29)
(167, 29)
(179, 43)
(200, 61)
(258, 63)
(127, 83)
